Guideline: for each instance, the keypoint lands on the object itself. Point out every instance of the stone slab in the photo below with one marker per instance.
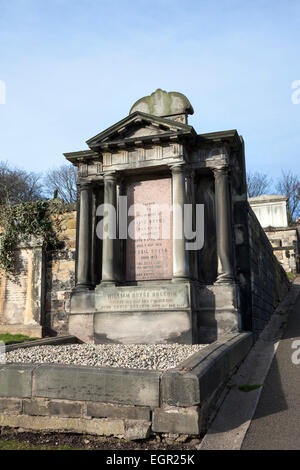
(176, 420)
(10, 405)
(99, 427)
(66, 409)
(195, 380)
(36, 407)
(149, 248)
(16, 380)
(106, 410)
(43, 342)
(136, 430)
(44, 407)
(146, 298)
(143, 327)
(82, 302)
(129, 387)
(82, 326)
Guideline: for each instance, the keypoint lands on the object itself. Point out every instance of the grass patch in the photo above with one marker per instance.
(17, 445)
(249, 388)
(7, 338)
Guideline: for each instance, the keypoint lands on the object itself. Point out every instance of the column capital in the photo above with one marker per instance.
(221, 170)
(110, 176)
(177, 167)
(83, 185)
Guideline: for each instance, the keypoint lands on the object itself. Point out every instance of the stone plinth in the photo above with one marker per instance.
(156, 313)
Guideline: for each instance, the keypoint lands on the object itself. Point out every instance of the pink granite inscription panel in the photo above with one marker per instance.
(149, 242)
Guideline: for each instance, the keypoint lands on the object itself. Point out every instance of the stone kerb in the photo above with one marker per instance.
(126, 403)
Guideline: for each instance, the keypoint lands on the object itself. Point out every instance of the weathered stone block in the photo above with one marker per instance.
(70, 244)
(105, 410)
(195, 380)
(36, 407)
(16, 380)
(99, 427)
(71, 223)
(137, 430)
(129, 387)
(143, 327)
(176, 420)
(82, 326)
(10, 405)
(66, 409)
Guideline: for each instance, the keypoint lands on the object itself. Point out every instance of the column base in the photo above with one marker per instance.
(180, 279)
(225, 279)
(108, 283)
(83, 287)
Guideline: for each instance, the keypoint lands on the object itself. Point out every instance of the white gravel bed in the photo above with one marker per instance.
(133, 356)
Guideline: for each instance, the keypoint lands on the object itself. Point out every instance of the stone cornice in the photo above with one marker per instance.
(84, 156)
(230, 137)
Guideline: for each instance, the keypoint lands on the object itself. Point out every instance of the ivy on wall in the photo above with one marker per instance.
(19, 222)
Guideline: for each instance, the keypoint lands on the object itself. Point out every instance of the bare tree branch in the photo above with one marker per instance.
(289, 186)
(258, 184)
(17, 186)
(63, 180)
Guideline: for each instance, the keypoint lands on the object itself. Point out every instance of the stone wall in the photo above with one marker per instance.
(286, 246)
(35, 301)
(269, 283)
(125, 403)
(60, 278)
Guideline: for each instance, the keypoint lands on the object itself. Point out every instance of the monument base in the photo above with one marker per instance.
(154, 313)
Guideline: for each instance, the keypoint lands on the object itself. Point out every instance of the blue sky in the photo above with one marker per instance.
(74, 67)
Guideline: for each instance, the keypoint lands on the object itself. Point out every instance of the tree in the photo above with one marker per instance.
(258, 184)
(17, 186)
(289, 186)
(62, 181)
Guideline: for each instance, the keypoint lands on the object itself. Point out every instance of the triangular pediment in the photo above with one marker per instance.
(139, 127)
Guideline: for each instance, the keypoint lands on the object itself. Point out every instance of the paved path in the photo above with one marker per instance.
(268, 417)
(276, 423)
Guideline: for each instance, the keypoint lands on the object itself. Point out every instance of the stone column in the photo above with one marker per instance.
(223, 224)
(109, 274)
(85, 238)
(180, 255)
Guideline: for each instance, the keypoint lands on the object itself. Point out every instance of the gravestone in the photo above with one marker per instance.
(147, 285)
(21, 295)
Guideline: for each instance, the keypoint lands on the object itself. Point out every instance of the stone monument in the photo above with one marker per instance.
(270, 209)
(22, 295)
(150, 288)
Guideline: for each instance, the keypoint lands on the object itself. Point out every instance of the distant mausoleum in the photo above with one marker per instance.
(272, 213)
